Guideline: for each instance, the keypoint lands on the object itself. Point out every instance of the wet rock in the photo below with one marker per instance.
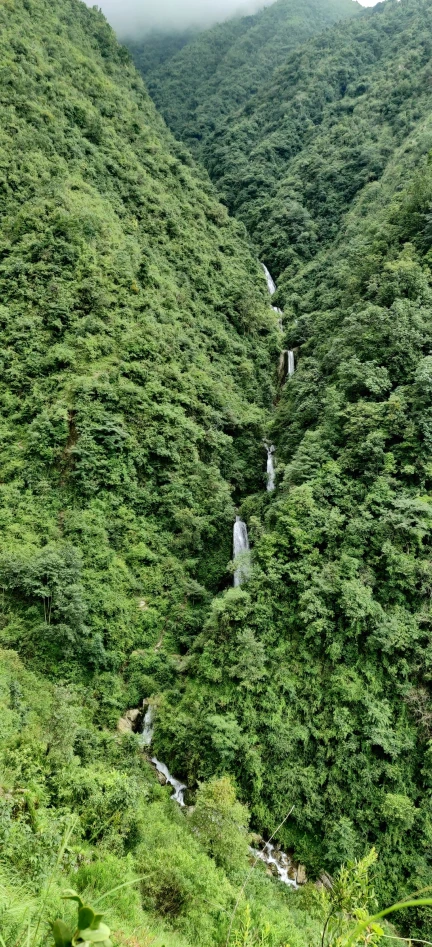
(325, 881)
(130, 722)
(301, 875)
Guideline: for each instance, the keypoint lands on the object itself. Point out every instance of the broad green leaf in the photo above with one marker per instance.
(86, 918)
(98, 936)
(62, 934)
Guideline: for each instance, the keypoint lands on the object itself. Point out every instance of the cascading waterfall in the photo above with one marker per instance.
(270, 468)
(291, 363)
(276, 859)
(286, 364)
(146, 737)
(146, 734)
(272, 289)
(270, 281)
(241, 548)
(179, 788)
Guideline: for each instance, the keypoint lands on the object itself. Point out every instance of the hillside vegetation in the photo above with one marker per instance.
(291, 162)
(137, 363)
(137, 354)
(319, 666)
(221, 69)
(138, 381)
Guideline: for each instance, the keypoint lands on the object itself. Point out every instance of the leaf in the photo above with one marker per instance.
(62, 934)
(86, 917)
(98, 936)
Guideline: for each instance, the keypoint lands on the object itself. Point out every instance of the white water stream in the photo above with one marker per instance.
(270, 281)
(291, 363)
(179, 788)
(286, 364)
(270, 468)
(146, 735)
(241, 548)
(145, 739)
(278, 861)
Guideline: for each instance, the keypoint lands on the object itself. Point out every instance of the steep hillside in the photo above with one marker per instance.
(316, 673)
(291, 163)
(137, 353)
(217, 73)
(159, 48)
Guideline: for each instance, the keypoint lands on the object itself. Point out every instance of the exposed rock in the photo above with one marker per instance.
(325, 881)
(301, 875)
(130, 722)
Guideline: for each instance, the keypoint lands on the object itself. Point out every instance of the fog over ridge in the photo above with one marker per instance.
(134, 18)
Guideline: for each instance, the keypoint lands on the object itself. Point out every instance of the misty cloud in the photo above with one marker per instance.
(132, 17)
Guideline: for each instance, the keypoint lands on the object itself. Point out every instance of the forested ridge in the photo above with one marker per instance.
(291, 162)
(139, 386)
(138, 353)
(217, 71)
(318, 669)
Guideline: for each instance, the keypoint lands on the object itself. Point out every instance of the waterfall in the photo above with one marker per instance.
(279, 861)
(146, 737)
(291, 363)
(270, 468)
(179, 788)
(270, 282)
(286, 364)
(241, 548)
(146, 734)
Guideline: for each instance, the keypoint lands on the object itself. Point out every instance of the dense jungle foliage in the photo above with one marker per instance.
(318, 671)
(137, 357)
(138, 348)
(139, 378)
(291, 162)
(206, 82)
(79, 807)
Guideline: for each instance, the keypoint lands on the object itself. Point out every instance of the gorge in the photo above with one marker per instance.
(216, 475)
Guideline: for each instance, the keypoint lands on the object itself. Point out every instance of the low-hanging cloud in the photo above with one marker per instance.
(138, 17)
(131, 18)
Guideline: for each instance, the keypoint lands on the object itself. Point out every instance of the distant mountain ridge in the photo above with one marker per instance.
(219, 70)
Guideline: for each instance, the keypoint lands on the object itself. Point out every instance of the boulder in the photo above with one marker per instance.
(128, 723)
(301, 875)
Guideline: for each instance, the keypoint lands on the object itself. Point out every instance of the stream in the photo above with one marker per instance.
(280, 864)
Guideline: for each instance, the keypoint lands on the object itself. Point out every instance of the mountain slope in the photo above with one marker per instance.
(312, 683)
(138, 379)
(137, 347)
(137, 354)
(291, 163)
(222, 68)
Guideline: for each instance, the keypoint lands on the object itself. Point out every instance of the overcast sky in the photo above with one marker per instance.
(129, 17)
